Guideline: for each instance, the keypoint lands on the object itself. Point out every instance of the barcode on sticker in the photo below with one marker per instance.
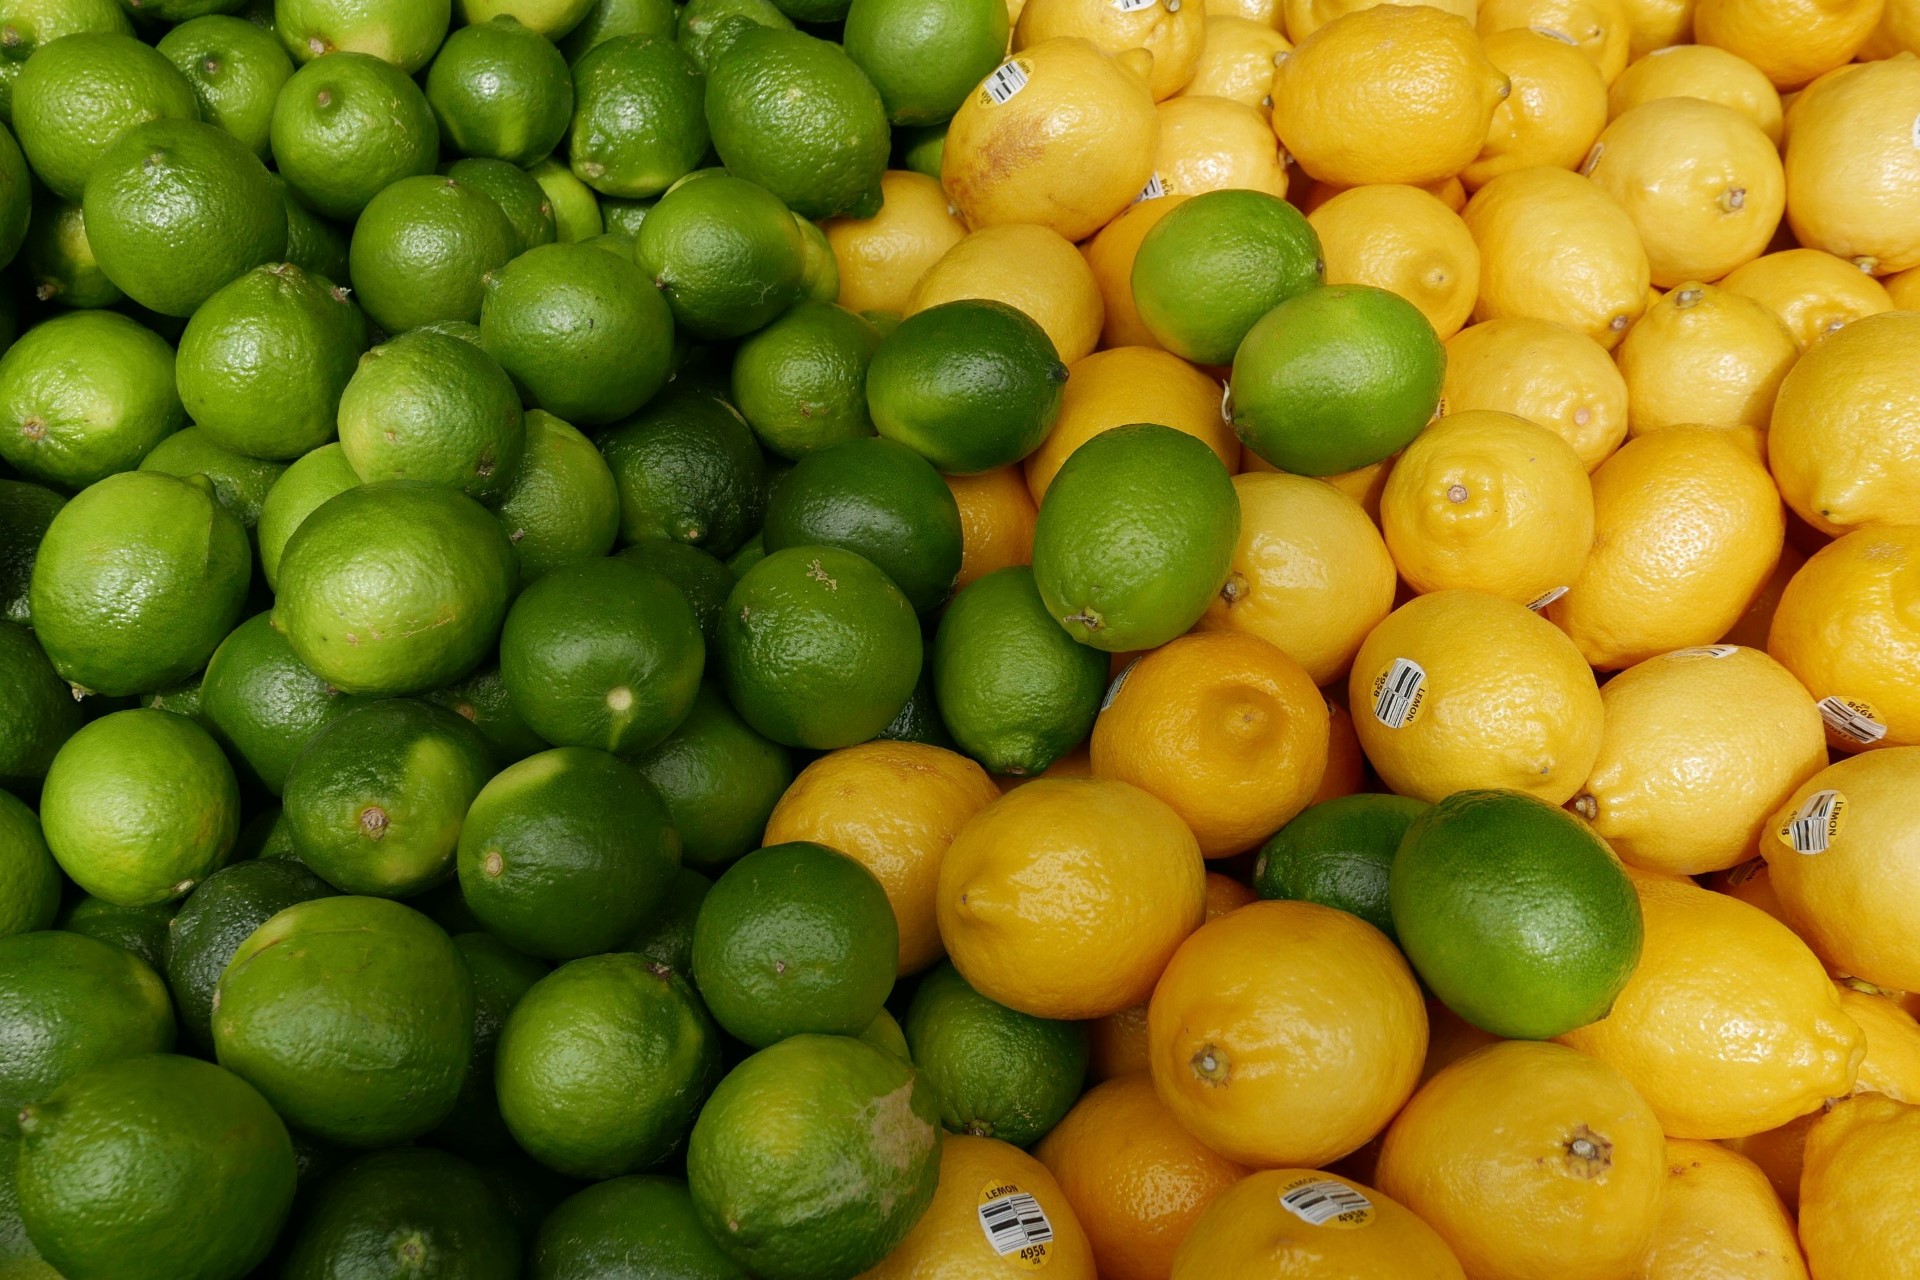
(1398, 693)
(1705, 651)
(1152, 191)
(1813, 827)
(1131, 6)
(1745, 872)
(1545, 598)
(1007, 79)
(1853, 721)
(1320, 1201)
(1014, 1222)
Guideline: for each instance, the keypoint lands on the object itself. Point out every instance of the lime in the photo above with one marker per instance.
(1211, 268)
(551, 18)
(633, 1226)
(32, 25)
(688, 469)
(668, 938)
(402, 32)
(623, 218)
(25, 512)
(1335, 379)
(59, 259)
(16, 197)
(212, 923)
(313, 244)
(37, 709)
(610, 18)
(1338, 853)
(413, 1210)
(262, 363)
(1015, 690)
(925, 59)
(306, 483)
(1135, 537)
(236, 70)
(420, 249)
(993, 1072)
(819, 269)
(19, 1260)
(969, 385)
(482, 698)
(726, 254)
(795, 938)
(354, 1016)
(919, 719)
(240, 483)
(584, 338)
(801, 382)
(700, 21)
(881, 500)
(394, 588)
(80, 92)
(719, 779)
(376, 799)
(141, 932)
(604, 1064)
(501, 976)
(797, 115)
(84, 395)
(346, 126)
(501, 90)
(138, 579)
(528, 210)
(750, 553)
(922, 149)
(154, 1167)
(563, 507)
(265, 836)
(67, 1003)
(640, 124)
(576, 213)
(809, 1112)
(1514, 913)
(29, 879)
(182, 699)
(430, 407)
(703, 580)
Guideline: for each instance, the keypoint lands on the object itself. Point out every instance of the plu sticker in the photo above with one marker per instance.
(1323, 1202)
(1852, 719)
(1399, 692)
(1699, 652)
(1815, 825)
(1153, 190)
(1015, 1225)
(1004, 81)
(1133, 6)
(1546, 598)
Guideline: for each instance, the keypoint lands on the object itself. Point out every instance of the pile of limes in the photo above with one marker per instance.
(946, 639)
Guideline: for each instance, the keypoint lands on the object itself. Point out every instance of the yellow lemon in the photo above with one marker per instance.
(1656, 24)
(1458, 690)
(1558, 106)
(1702, 184)
(881, 258)
(1030, 269)
(1532, 1161)
(1311, 575)
(1346, 773)
(1845, 438)
(1687, 528)
(1363, 484)
(1719, 1220)
(1255, 1228)
(996, 521)
(1698, 71)
(1699, 747)
(1110, 256)
(1729, 1026)
(1706, 355)
(1237, 63)
(1065, 898)
(1402, 239)
(1892, 1064)
(1173, 33)
(1904, 289)
(1393, 93)
(1554, 247)
(1124, 385)
(1897, 33)
(1304, 17)
(1490, 502)
(1059, 135)
(1815, 293)
(1757, 621)
(1598, 29)
(1791, 41)
(1212, 144)
(1860, 1192)
(1117, 1043)
(1286, 1033)
(1264, 12)
(1543, 372)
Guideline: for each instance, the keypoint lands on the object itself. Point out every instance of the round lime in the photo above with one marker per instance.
(668, 938)
(240, 483)
(59, 259)
(307, 482)
(629, 1226)
(528, 210)
(993, 1072)
(262, 703)
(699, 21)
(78, 95)
(236, 70)
(402, 32)
(563, 507)
(141, 932)
(38, 711)
(702, 579)
(501, 976)
(313, 243)
(421, 248)
(482, 698)
(801, 382)
(427, 406)
(719, 779)
(726, 254)
(640, 124)
(926, 58)
(688, 469)
(610, 18)
(84, 395)
(501, 90)
(29, 878)
(36, 24)
(1339, 854)
(435, 1211)
(26, 510)
(212, 923)
(346, 126)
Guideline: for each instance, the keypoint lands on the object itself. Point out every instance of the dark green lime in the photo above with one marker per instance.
(702, 579)
(1339, 854)
(633, 1227)
(919, 719)
(38, 711)
(501, 976)
(26, 510)
(482, 698)
(994, 1072)
(925, 59)
(313, 243)
(528, 210)
(59, 258)
(719, 778)
(668, 938)
(240, 483)
(563, 507)
(610, 18)
(215, 919)
(688, 469)
(29, 878)
(409, 1210)
(699, 23)
(263, 704)
(141, 932)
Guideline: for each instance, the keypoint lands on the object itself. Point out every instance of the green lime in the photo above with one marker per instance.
(236, 70)
(26, 510)
(138, 579)
(633, 1226)
(262, 363)
(314, 244)
(922, 149)
(993, 1072)
(688, 469)
(576, 212)
(602, 654)
(809, 1112)
(29, 878)
(182, 699)
(212, 923)
(640, 124)
(16, 197)
(719, 778)
(801, 382)
(409, 1212)
(750, 553)
(885, 1033)
(1134, 538)
(265, 836)
(32, 23)
(240, 483)
(1210, 269)
(38, 711)
(1338, 853)
(528, 1189)
(522, 199)
(427, 406)
(551, 18)
(141, 932)
(703, 580)
(881, 500)
(501, 976)
(797, 115)
(19, 1260)
(563, 507)
(623, 218)
(585, 338)
(668, 938)
(699, 23)
(919, 719)
(482, 698)
(725, 252)
(348, 125)
(604, 1064)
(420, 249)
(80, 92)
(795, 938)
(262, 704)
(402, 32)
(69, 1002)
(307, 482)
(609, 19)
(501, 90)
(926, 59)
(59, 259)
(819, 270)
(1335, 379)
(394, 588)
(1015, 690)
(84, 395)
(969, 385)
(154, 1167)
(354, 1016)
(175, 209)
(1514, 913)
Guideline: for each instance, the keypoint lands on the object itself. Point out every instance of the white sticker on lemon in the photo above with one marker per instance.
(1399, 692)
(1853, 719)
(1546, 598)
(1015, 1225)
(1323, 1202)
(1004, 81)
(1703, 651)
(1815, 825)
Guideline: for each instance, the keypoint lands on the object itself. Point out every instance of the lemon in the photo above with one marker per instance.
(1846, 425)
(1108, 388)
(1110, 254)
(1698, 71)
(1403, 239)
(1790, 41)
(880, 258)
(1704, 355)
(1170, 32)
(1031, 269)
(1301, 18)
(1813, 292)
(1858, 1199)
(1719, 1218)
(1545, 373)
(1556, 109)
(1211, 144)
(1237, 62)
(1254, 1224)
(1598, 29)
